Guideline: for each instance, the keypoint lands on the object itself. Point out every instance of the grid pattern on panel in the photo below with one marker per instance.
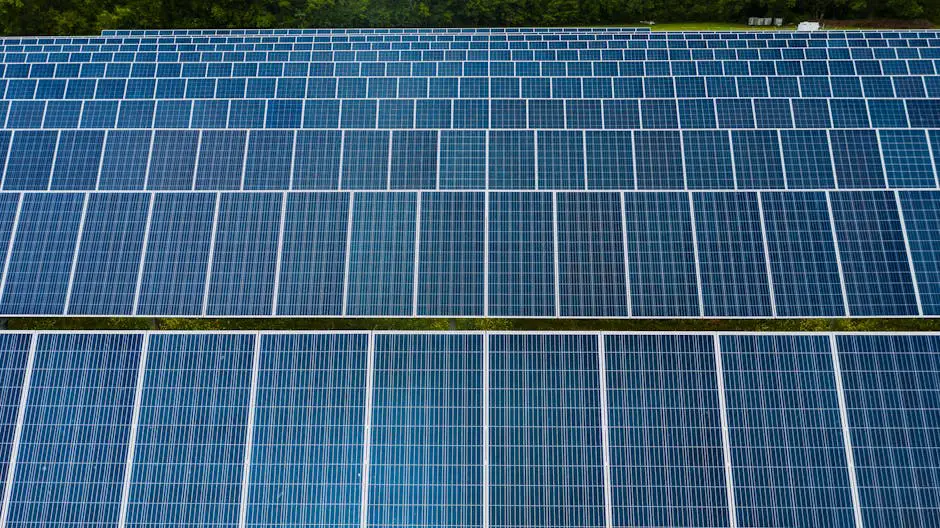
(124, 162)
(108, 260)
(802, 254)
(667, 467)
(73, 448)
(463, 159)
(807, 159)
(591, 273)
(708, 159)
(921, 212)
(30, 162)
(658, 160)
(660, 253)
(175, 266)
(757, 159)
(546, 466)
(730, 244)
(426, 455)
(14, 351)
(874, 259)
(381, 254)
(450, 269)
(316, 159)
(221, 159)
(365, 159)
(414, 159)
(189, 455)
(512, 159)
(313, 255)
(307, 439)
(245, 255)
(521, 253)
(77, 159)
(561, 159)
(857, 159)
(907, 158)
(41, 259)
(173, 160)
(787, 449)
(268, 160)
(609, 159)
(891, 394)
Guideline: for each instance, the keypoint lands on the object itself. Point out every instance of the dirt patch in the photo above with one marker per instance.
(878, 23)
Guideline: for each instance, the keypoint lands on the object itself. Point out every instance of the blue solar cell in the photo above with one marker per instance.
(365, 159)
(245, 254)
(508, 113)
(173, 160)
(891, 395)
(62, 114)
(734, 113)
(321, 113)
(658, 159)
(803, 262)
(660, 254)
(659, 113)
(313, 255)
(316, 159)
(757, 159)
(135, 114)
(13, 361)
(521, 255)
(283, 113)
(546, 113)
(221, 159)
(29, 164)
(583, 114)
(5, 137)
(544, 409)
(788, 454)
(591, 273)
(414, 159)
(210, 114)
(708, 159)
(512, 160)
(923, 113)
(921, 213)
(172, 114)
(124, 161)
(874, 260)
(697, 113)
(78, 157)
(268, 160)
(462, 159)
(426, 455)
(246, 113)
(26, 114)
(471, 113)
(450, 264)
(108, 261)
(730, 245)
(189, 455)
(609, 160)
(396, 113)
(561, 160)
(907, 158)
(307, 442)
(887, 113)
(857, 160)
(621, 114)
(76, 427)
(849, 113)
(41, 260)
(381, 254)
(811, 113)
(807, 159)
(176, 262)
(666, 458)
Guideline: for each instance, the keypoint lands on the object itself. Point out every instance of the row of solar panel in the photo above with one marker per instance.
(469, 430)
(103, 67)
(620, 114)
(476, 160)
(527, 254)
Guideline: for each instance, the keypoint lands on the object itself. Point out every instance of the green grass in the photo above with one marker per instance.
(715, 26)
(690, 325)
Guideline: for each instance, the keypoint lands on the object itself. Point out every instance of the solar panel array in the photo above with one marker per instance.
(565, 172)
(470, 429)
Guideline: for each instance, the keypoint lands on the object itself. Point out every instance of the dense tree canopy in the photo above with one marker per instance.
(39, 17)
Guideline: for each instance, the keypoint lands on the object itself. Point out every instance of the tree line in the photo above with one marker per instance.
(86, 17)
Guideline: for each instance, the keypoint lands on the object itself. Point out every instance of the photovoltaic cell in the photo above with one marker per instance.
(546, 465)
(78, 156)
(907, 159)
(921, 211)
(802, 255)
(666, 462)
(591, 273)
(316, 159)
(15, 349)
(307, 439)
(857, 160)
(175, 266)
(242, 277)
(268, 160)
(521, 254)
(450, 272)
(313, 255)
(37, 276)
(30, 160)
(788, 454)
(807, 159)
(414, 159)
(874, 259)
(661, 255)
(77, 422)
(609, 159)
(561, 159)
(658, 160)
(221, 160)
(463, 159)
(708, 162)
(757, 159)
(108, 262)
(891, 395)
(381, 254)
(731, 255)
(124, 162)
(365, 159)
(173, 160)
(189, 455)
(426, 455)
